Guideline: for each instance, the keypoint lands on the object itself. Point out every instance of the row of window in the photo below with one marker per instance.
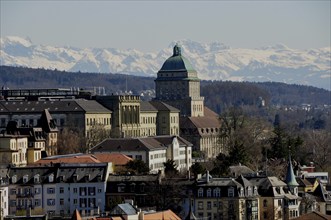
(148, 120)
(83, 191)
(98, 121)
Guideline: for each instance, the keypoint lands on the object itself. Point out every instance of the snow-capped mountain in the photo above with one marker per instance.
(213, 61)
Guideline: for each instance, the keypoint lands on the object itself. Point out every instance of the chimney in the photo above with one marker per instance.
(141, 215)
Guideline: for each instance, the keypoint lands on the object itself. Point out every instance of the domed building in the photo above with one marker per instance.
(178, 85)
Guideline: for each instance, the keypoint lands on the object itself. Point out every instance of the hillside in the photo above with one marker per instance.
(218, 94)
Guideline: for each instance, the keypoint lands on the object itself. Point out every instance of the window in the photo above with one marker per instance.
(13, 203)
(249, 191)
(200, 192)
(231, 192)
(82, 202)
(61, 190)
(75, 190)
(265, 203)
(217, 192)
(82, 191)
(121, 187)
(209, 192)
(50, 190)
(13, 191)
(208, 205)
(25, 178)
(61, 201)
(75, 201)
(99, 190)
(142, 187)
(91, 191)
(51, 178)
(50, 202)
(37, 202)
(200, 205)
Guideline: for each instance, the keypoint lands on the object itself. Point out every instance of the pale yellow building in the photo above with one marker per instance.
(13, 150)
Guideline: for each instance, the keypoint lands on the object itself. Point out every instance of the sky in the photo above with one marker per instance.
(153, 25)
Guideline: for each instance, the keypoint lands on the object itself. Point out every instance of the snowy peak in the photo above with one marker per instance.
(213, 61)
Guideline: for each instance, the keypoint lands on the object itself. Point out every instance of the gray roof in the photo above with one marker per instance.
(146, 106)
(92, 106)
(32, 107)
(133, 178)
(161, 106)
(138, 144)
(128, 209)
(61, 172)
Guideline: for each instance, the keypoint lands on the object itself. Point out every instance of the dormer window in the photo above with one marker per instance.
(231, 192)
(209, 192)
(241, 191)
(14, 179)
(200, 192)
(249, 191)
(25, 178)
(217, 192)
(36, 178)
(255, 190)
(51, 178)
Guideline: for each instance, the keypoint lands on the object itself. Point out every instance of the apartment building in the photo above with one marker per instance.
(225, 198)
(58, 190)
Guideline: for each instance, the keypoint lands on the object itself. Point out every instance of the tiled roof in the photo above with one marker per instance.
(134, 178)
(210, 113)
(76, 105)
(138, 144)
(162, 215)
(46, 122)
(126, 144)
(313, 216)
(92, 106)
(240, 170)
(303, 182)
(116, 159)
(75, 159)
(82, 172)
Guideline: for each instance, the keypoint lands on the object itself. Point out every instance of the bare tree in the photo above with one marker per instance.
(318, 147)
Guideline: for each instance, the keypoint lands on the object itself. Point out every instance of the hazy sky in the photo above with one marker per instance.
(153, 25)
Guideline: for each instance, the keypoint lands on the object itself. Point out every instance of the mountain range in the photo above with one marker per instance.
(213, 61)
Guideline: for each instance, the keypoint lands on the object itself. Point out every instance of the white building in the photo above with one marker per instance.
(58, 189)
(152, 150)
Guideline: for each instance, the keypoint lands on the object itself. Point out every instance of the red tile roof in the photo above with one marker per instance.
(83, 158)
(313, 216)
(163, 215)
(117, 159)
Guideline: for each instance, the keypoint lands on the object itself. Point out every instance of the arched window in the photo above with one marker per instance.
(209, 192)
(217, 192)
(231, 192)
(200, 192)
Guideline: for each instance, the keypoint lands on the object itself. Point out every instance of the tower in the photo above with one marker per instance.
(178, 85)
(290, 178)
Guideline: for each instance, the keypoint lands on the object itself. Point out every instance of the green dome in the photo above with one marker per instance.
(177, 62)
